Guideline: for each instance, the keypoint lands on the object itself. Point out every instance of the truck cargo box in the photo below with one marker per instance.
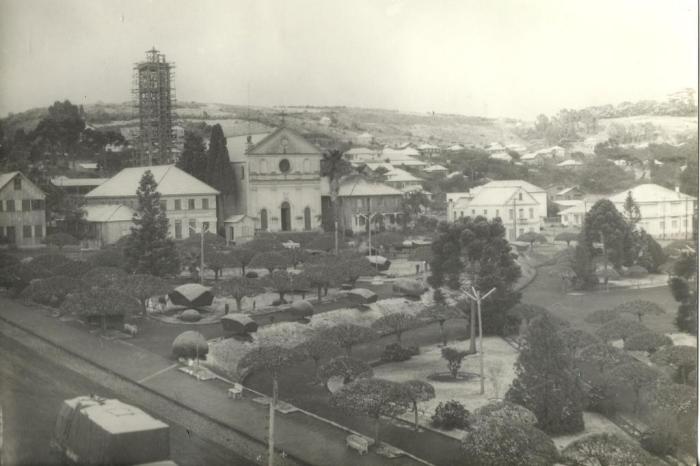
(93, 430)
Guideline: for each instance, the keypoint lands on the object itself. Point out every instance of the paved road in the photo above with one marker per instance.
(31, 390)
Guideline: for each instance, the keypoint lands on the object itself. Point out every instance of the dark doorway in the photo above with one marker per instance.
(263, 219)
(307, 219)
(285, 217)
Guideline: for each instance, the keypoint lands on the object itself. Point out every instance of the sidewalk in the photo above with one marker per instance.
(301, 436)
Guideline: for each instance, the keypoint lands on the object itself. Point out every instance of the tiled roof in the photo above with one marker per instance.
(171, 181)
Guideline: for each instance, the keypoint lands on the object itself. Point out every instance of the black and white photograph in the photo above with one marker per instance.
(349, 232)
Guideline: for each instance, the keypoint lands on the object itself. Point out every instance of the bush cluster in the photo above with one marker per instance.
(397, 353)
(450, 415)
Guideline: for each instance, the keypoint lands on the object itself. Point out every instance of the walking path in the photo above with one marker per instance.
(307, 438)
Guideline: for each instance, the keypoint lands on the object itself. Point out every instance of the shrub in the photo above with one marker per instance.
(660, 440)
(104, 277)
(190, 315)
(450, 415)
(50, 261)
(454, 359)
(7, 260)
(251, 274)
(60, 240)
(73, 269)
(190, 345)
(113, 257)
(52, 291)
(109, 306)
(397, 353)
(646, 341)
(18, 277)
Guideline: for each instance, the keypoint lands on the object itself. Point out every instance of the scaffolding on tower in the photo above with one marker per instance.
(153, 97)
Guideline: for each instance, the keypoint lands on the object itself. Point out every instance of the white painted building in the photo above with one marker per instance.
(520, 205)
(189, 204)
(22, 210)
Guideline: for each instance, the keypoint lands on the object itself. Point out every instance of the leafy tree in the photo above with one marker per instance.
(348, 335)
(575, 340)
(218, 261)
(640, 308)
(476, 251)
(73, 269)
(440, 313)
(7, 260)
(243, 256)
(606, 450)
(601, 316)
(19, 276)
(108, 258)
(142, 287)
(59, 132)
(681, 357)
(567, 236)
(606, 225)
(619, 329)
(647, 341)
(60, 240)
(532, 237)
(417, 391)
(492, 442)
(396, 323)
(603, 356)
(636, 376)
(238, 288)
(649, 253)
(270, 260)
(685, 269)
(504, 411)
(316, 348)
(193, 159)
(271, 359)
(544, 381)
(352, 268)
(583, 266)
(50, 261)
(320, 276)
(52, 291)
(373, 397)
(104, 277)
(100, 303)
(281, 282)
(454, 359)
(149, 249)
(190, 345)
(349, 368)
(413, 204)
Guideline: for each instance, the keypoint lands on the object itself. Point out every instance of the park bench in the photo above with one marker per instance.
(236, 392)
(359, 443)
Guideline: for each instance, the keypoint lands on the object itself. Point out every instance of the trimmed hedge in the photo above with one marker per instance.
(104, 277)
(50, 261)
(73, 269)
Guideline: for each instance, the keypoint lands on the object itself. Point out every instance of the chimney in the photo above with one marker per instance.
(248, 143)
(678, 189)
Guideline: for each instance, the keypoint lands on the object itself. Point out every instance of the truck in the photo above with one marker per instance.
(95, 430)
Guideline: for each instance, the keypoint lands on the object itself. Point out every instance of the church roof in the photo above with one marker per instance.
(237, 145)
(284, 141)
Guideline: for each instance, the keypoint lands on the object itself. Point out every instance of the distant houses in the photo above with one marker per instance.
(22, 211)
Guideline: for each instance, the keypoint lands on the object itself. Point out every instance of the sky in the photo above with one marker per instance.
(495, 58)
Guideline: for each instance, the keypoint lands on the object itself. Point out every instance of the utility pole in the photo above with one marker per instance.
(515, 221)
(476, 295)
(201, 252)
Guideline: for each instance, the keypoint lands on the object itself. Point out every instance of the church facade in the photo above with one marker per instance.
(284, 183)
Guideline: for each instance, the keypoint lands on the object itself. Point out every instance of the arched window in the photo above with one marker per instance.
(307, 218)
(263, 219)
(286, 216)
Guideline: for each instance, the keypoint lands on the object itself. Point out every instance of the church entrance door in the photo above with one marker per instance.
(285, 216)
(307, 219)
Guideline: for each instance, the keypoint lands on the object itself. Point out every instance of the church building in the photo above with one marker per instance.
(284, 182)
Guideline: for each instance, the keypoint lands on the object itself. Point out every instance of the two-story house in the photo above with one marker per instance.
(189, 203)
(520, 205)
(22, 210)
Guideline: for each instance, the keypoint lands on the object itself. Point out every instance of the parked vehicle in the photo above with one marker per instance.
(95, 430)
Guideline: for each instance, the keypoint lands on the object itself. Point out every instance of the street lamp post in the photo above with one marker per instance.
(201, 251)
(476, 295)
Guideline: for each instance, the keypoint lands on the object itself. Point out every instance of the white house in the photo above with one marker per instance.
(22, 210)
(189, 204)
(406, 156)
(570, 164)
(364, 139)
(502, 156)
(108, 222)
(666, 214)
(455, 148)
(359, 155)
(428, 150)
(436, 170)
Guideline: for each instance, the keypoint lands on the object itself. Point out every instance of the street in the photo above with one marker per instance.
(31, 390)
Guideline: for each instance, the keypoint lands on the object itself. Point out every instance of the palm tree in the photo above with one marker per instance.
(335, 167)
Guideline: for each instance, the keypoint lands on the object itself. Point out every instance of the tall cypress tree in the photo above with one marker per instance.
(149, 249)
(193, 159)
(219, 173)
(545, 382)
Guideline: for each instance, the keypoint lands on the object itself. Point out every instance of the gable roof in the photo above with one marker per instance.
(238, 145)
(272, 144)
(435, 168)
(108, 213)
(650, 193)
(529, 187)
(9, 176)
(568, 190)
(500, 196)
(73, 182)
(171, 181)
(363, 187)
